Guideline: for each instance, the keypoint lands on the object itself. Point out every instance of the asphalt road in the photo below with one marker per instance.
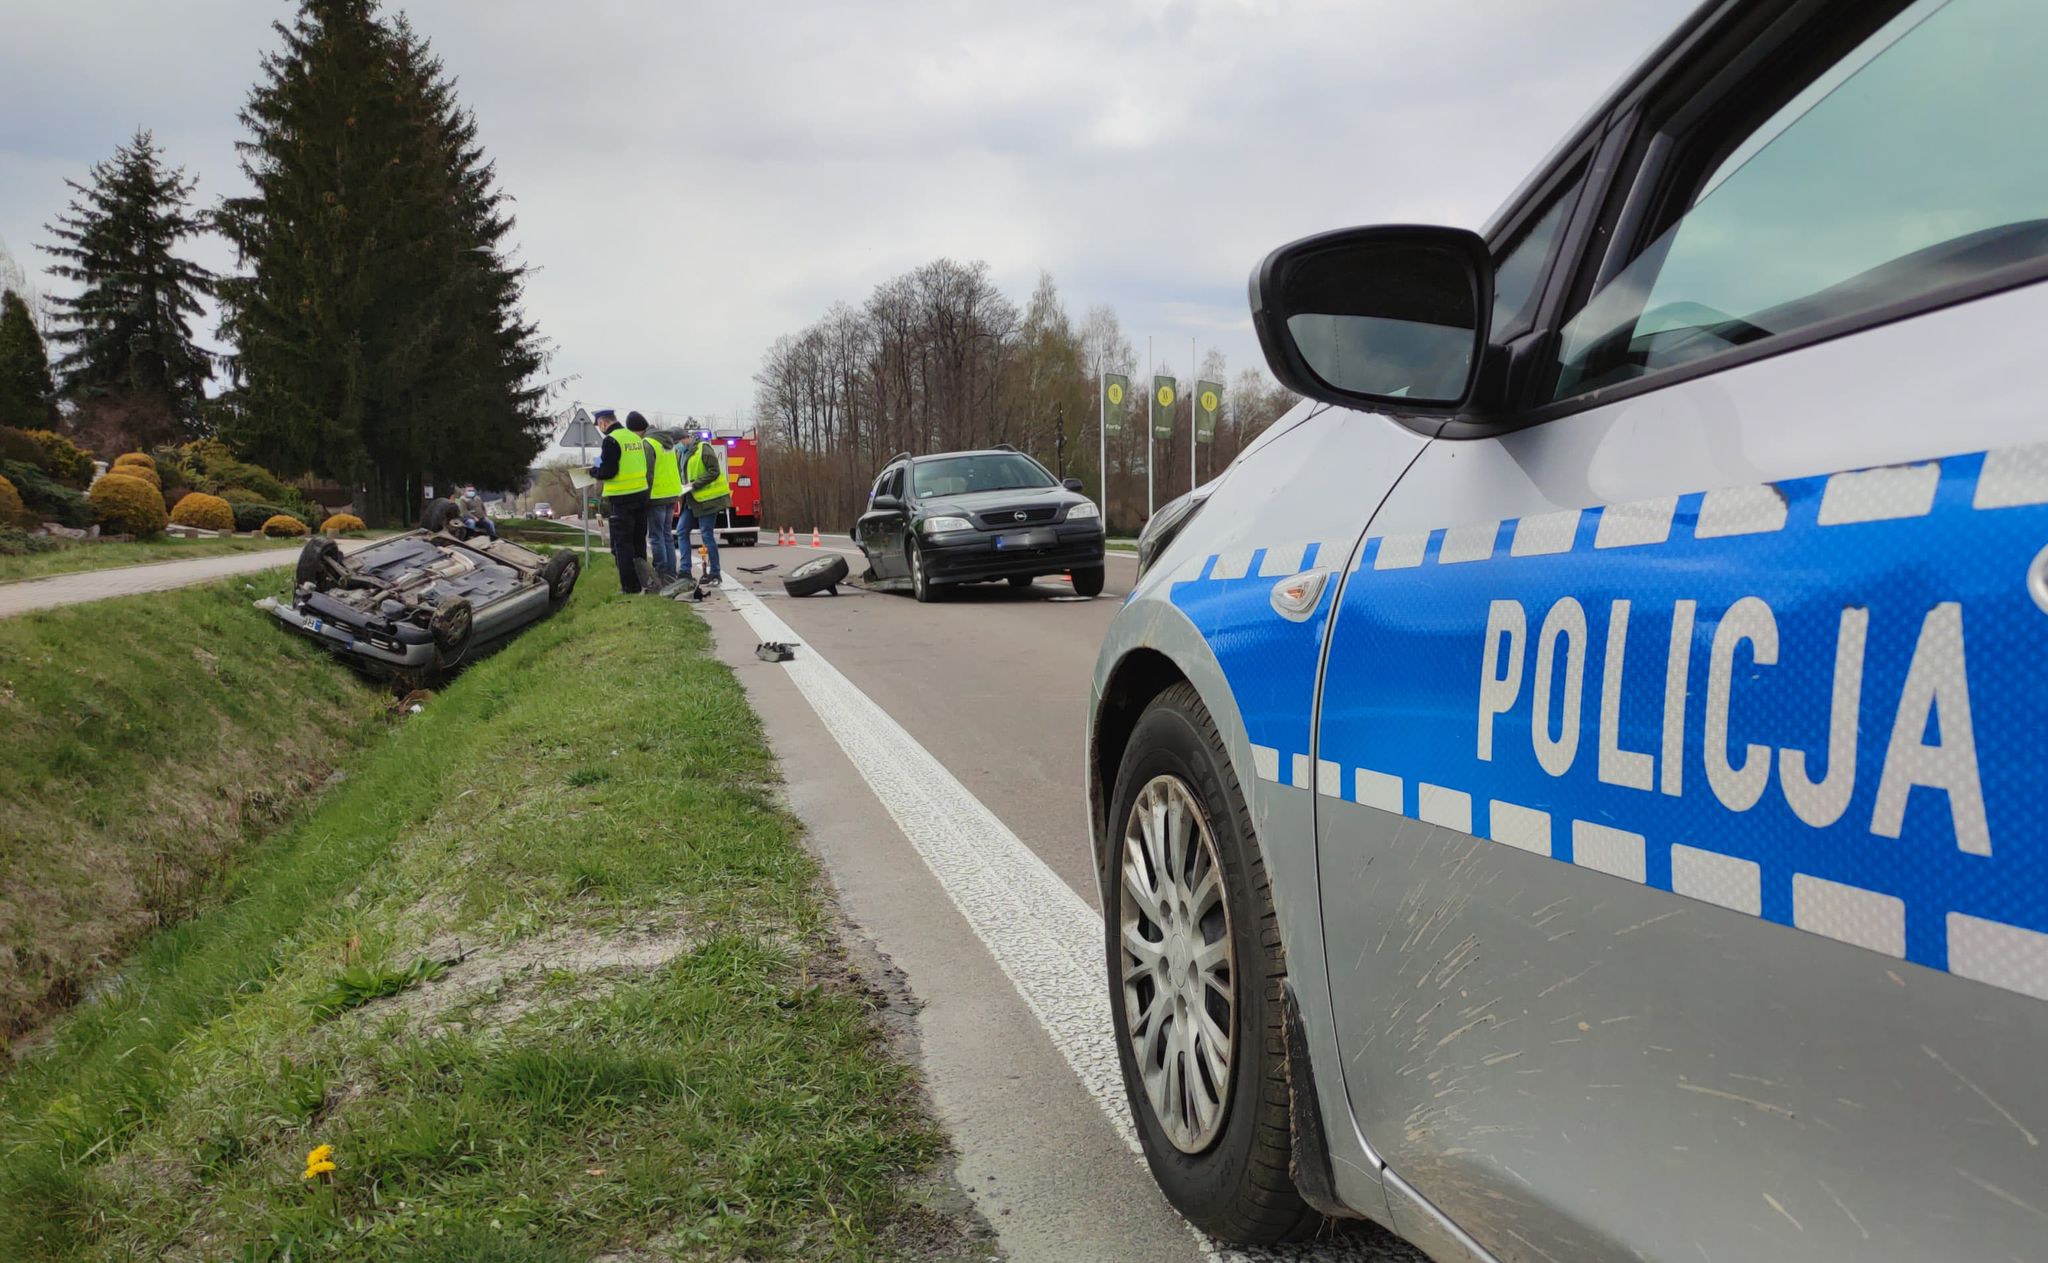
(934, 751)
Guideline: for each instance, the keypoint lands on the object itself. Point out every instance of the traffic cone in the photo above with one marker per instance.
(788, 537)
(815, 541)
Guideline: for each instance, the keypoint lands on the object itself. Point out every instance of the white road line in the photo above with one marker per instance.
(1045, 938)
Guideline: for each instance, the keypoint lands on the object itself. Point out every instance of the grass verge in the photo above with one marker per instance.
(74, 556)
(548, 971)
(151, 740)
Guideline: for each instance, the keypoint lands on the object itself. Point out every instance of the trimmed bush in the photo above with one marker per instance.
(208, 513)
(47, 499)
(341, 522)
(12, 511)
(145, 473)
(133, 458)
(130, 505)
(251, 516)
(66, 460)
(282, 525)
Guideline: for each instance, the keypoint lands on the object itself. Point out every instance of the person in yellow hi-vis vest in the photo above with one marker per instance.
(665, 490)
(708, 496)
(622, 470)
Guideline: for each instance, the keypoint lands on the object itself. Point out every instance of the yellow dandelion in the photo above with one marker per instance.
(319, 1161)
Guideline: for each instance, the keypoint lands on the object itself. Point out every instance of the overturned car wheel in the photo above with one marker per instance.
(560, 575)
(452, 625)
(320, 564)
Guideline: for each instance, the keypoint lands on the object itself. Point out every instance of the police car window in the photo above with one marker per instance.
(1519, 269)
(1897, 171)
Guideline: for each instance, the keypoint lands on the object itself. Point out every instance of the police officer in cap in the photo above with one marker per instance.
(624, 469)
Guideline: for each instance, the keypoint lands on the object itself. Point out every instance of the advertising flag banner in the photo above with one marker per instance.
(1116, 402)
(1208, 406)
(1165, 392)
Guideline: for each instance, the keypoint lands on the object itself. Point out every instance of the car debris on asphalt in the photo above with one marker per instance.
(774, 651)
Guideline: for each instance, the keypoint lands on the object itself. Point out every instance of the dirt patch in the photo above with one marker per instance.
(494, 984)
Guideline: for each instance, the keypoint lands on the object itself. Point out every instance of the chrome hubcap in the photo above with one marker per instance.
(1178, 978)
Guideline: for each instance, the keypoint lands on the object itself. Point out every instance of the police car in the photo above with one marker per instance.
(1573, 789)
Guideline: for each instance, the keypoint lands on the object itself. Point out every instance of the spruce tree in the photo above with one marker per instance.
(377, 324)
(27, 392)
(127, 334)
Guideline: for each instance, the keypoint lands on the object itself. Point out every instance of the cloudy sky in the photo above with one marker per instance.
(694, 179)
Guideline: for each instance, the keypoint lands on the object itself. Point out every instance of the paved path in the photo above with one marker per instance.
(156, 576)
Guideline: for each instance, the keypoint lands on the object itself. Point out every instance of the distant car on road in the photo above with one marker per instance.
(421, 603)
(1574, 788)
(543, 510)
(969, 517)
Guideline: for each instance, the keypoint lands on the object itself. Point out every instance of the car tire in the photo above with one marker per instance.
(438, 514)
(320, 564)
(1228, 1173)
(921, 585)
(1088, 580)
(1022, 580)
(560, 574)
(453, 625)
(817, 575)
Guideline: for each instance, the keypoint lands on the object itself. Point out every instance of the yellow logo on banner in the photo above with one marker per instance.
(1116, 392)
(1209, 401)
(1166, 396)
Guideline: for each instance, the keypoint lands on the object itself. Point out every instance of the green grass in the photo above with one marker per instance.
(151, 740)
(566, 1089)
(70, 557)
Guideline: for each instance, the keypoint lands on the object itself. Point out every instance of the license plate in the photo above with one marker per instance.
(1025, 539)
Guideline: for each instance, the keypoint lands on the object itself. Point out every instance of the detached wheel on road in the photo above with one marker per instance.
(320, 564)
(1088, 580)
(1195, 980)
(818, 575)
(921, 585)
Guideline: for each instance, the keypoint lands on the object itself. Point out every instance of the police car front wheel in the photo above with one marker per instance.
(1196, 975)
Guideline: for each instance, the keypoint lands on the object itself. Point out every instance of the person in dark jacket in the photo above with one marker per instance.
(625, 469)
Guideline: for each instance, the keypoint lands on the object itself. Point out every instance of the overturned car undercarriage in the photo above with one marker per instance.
(420, 604)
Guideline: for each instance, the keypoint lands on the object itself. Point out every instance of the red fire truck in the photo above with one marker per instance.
(740, 456)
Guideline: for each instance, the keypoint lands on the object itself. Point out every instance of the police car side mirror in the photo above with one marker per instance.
(887, 502)
(1388, 317)
(1072, 484)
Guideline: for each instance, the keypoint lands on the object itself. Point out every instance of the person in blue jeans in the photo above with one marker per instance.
(706, 494)
(664, 491)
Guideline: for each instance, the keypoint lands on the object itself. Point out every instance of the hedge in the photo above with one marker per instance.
(341, 522)
(284, 524)
(134, 458)
(66, 460)
(47, 499)
(130, 505)
(251, 517)
(208, 513)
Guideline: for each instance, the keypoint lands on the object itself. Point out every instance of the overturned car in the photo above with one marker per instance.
(419, 604)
